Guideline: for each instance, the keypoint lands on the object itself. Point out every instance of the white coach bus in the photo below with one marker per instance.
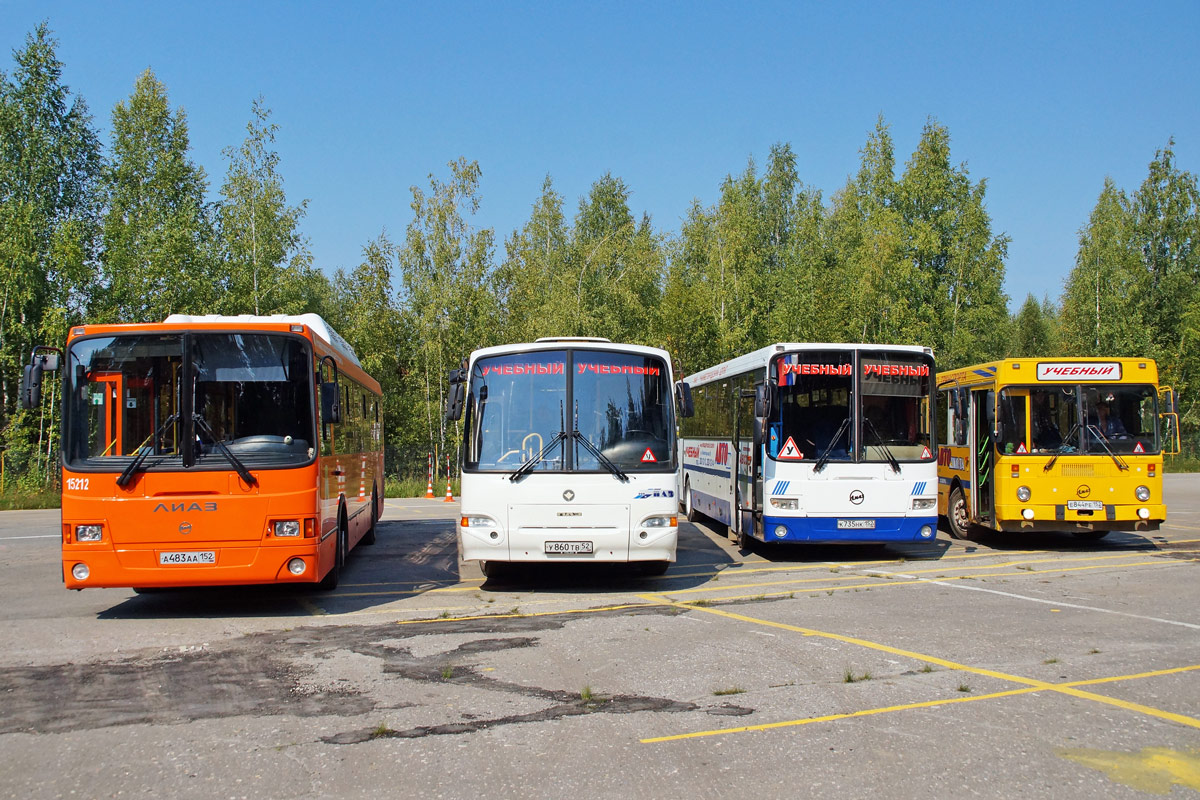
(814, 443)
(568, 454)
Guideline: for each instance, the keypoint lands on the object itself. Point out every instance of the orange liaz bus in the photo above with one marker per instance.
(209, 450)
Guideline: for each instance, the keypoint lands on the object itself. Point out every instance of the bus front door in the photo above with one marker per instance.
(983, 459)
(748, 488)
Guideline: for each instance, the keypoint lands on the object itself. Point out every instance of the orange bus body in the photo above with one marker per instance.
(216, 511)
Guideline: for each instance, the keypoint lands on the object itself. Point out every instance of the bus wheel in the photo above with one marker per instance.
(956, 515)
(1089, 536)
(689, 510)
(493, 570)
(369, 537)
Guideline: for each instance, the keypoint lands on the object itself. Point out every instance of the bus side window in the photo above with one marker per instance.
(945, 419)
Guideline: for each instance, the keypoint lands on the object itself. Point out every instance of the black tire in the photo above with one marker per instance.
(1090, 536)
(369, 537)
(740, 537)
(689, 510)
(958, 519)
(494, 570)
(334, 576)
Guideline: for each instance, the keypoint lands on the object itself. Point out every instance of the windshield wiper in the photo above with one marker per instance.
(1062, 448)
(203, 425)
(603, 459)
(142, 452)
(824, 459)
(1103, 440)
(532, 462)
(525, 468)
(882, 446)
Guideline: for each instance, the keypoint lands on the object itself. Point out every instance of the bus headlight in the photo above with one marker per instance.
(88, 533)
(785, 503)
(926, 531)
(1142, 493)
(287, 527)
(660, 522)
(477, 522)
(780, 531)
(80, 572)
(921, 503)
(1023, 493)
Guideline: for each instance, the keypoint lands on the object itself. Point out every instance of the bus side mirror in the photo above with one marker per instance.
(454, 402)
(31, 379)
(331, 402)
(764, 399)
(683, 399)
(31, 386)
(1166, 397)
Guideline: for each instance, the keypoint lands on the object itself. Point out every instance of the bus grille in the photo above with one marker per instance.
(1079, 470)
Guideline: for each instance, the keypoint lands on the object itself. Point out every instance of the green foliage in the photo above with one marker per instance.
(158, 235)
(1135, 287)
(1034, 330)
(266, 262)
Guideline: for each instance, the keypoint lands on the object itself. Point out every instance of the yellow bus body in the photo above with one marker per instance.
(1087, 493)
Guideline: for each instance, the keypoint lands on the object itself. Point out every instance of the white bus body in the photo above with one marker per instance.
(833, 443)
(568, 454)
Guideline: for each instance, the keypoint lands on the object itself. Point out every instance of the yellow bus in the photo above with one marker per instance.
(1041, 444)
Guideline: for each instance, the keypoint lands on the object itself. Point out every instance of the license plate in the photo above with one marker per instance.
(191, 557)
(1085, 505)
(856, 524)
(570, 548)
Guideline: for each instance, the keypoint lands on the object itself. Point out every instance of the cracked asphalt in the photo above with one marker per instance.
(1036, 666)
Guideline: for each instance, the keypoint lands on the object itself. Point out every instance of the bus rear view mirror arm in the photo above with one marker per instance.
(43, 359)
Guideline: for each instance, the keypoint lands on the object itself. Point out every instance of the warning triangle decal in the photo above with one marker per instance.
(1021, 448)
(790, 452)
(648, 456)
(1137, 448)
(925, 453)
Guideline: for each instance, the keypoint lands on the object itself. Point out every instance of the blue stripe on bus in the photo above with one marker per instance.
(919, 488)
(781, 487)
(825, 529)
(707, 470)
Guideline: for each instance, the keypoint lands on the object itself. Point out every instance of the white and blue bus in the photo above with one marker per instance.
(818, 443)
(568, 454)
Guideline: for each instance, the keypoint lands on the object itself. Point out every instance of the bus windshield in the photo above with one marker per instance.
(824, 406)
(521, 406)
(124, 395)
(1078, 418)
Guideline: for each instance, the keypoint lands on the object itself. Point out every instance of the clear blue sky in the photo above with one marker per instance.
(1042, 99)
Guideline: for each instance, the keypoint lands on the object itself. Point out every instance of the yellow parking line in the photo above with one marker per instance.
(882, 582)
(909, 706)
(1033, 683)
(534, 614)
(311, 607)
(791, 723)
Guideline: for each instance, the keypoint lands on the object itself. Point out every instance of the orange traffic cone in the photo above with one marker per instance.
(429, 488)
(449, 496)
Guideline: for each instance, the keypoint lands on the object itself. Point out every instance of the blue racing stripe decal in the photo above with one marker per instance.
(707, 470)
(919, 488)
(781, 487)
